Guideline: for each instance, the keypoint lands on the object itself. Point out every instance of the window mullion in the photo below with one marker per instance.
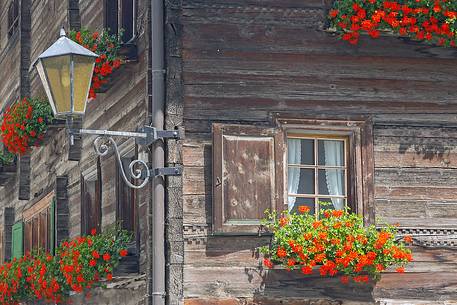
(316, 180)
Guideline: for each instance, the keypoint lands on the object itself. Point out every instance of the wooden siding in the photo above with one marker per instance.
(122, 107)
(245, 61)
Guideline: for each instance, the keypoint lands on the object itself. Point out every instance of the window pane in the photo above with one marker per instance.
(300, 180)
(331, 182)
(295, 202)
(331, 152)
(127, 20)
(333, 203)
(300, 151)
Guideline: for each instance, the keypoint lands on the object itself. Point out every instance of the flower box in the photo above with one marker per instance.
(315, 287)
(433, 22)
(336, 243)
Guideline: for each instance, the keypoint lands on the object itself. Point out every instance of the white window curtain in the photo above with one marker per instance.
(333, 151)
(293, 176)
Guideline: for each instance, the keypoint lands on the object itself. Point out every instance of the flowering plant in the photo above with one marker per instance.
(6, 158)
(78, 265)
(338, 242)
(423, 20)
(107, 47)
(25, 123)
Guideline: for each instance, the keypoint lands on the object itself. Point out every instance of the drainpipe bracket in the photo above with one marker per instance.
(152, 135)
(167, 171)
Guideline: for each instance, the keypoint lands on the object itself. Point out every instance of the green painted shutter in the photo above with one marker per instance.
(17, 239)
(52, 227)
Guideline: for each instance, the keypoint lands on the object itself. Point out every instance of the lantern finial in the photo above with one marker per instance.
(62, 32)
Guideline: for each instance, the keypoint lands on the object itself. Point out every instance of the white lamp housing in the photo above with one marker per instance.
(66, 69)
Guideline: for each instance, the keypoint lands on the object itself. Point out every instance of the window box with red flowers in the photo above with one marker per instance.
(433, 22)
(338, 244)
(79, 265)
(112, 55)
(24, 124)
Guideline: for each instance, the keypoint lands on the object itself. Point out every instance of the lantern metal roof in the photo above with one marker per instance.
(65, 46)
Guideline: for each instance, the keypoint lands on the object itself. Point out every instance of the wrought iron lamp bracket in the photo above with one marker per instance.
(137, 169)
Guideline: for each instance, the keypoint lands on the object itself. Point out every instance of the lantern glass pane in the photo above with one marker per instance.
(44, 80)
(58, 73)
(83, 69)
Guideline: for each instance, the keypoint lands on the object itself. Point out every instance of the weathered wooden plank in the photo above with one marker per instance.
(294, 33)
(416, 177)
(197, 153)
(416, 192)
(427, 159)
(288, 4)
(298, 64)
(405, 222)
(198, 180)
(197, 208)
(247, 282)
(432, 286)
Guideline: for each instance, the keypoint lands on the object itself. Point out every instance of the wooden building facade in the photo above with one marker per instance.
(270, 101)
(265, 85)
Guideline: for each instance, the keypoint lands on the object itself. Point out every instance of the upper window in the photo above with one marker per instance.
(120, 16)
(316, 171)
(13, 17)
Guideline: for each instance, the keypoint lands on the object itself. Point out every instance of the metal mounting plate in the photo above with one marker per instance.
(167, 171)
(152, 134)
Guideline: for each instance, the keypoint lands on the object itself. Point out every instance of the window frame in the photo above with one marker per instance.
(315, 137)
(122, 187)
(359, 130)
(119, 17)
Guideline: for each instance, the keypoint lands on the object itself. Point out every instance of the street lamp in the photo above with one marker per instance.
(66, 69)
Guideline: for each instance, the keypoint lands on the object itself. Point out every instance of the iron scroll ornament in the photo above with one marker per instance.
(102, 145)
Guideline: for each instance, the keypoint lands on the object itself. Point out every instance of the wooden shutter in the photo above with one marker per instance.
(52, 227)
(2, 246)
(8, 219)
(111, 16)
(17, 243)
(248, 176)
(61, 211)
(28, 245)
(43, 230)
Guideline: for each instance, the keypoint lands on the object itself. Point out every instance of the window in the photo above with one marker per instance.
(299, 161)
(39, 225)
(126, 208)
(316, 171)
(120, 16)
(13, 17)
(91, 201)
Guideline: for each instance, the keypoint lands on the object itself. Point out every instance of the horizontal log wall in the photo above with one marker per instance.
(243, 61)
